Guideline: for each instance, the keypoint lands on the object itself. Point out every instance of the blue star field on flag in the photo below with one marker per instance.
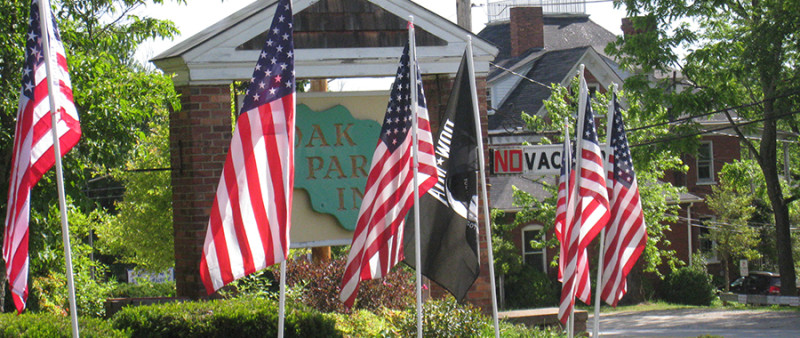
(398, 113)
(623, 167)
(273, 76)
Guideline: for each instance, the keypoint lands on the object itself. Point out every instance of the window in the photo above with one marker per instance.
(531, 255)
(707, 246)
(489, 100)
(705, 163)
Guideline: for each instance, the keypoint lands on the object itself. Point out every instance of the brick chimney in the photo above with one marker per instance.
(464, 14)
(527, 29)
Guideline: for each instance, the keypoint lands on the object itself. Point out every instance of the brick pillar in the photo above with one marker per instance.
(199, 139)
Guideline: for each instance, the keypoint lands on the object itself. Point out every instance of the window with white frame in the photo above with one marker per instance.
(705, 162)
(707, 245)
(533, 255)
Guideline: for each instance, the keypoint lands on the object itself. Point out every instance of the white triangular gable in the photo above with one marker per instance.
(212, 57)
(595, 64)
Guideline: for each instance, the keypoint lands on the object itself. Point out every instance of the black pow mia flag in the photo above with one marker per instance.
(449, 211)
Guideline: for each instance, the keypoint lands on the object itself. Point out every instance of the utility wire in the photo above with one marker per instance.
(707, 131)
(520, 75)
(687, 118)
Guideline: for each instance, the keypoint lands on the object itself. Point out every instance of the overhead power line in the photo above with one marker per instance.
(712, 130)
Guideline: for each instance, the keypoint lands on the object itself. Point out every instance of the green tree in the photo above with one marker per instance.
(741, 54)
(141, 231)
(115, 96)
(733, 236)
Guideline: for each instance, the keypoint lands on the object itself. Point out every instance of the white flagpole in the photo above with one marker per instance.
(567, 194)
(578, 160)
(282, 300)
(484, 197)
(601, 255)
(412, 65)
(44, 23)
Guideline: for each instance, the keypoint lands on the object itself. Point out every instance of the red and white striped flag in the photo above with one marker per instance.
(564, 216)
(33, 152)
(378, 240)
(626, 234)
(591, 205)
(248, 229)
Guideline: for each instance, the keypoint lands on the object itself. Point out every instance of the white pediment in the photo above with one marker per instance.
(215, 56)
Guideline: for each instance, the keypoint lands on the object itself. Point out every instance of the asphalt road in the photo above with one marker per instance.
(698, 322)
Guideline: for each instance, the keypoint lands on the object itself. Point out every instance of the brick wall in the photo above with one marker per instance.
(199, 139)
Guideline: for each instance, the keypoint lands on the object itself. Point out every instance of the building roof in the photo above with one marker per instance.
(335, 39)
(550, 67)
(560, 32)
(502, 191)
(568, 41)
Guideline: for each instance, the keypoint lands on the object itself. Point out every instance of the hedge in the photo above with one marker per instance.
(222, 318)
(51, 325)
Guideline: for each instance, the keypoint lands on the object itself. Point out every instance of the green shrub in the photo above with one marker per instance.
(363, 323)
(222, 318)
(529, 288)
(143, 289)
(688, 286)
(320, 286)
(510, 330)
(444, 318)
(51, 325)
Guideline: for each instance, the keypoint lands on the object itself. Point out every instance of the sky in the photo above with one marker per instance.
(199, 14)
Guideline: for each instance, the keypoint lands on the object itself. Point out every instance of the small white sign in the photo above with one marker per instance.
(743, 269)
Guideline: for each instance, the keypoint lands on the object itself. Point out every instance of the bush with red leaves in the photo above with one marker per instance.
(321, 285)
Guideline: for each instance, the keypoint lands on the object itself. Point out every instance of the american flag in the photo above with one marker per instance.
(590, 205)
(578, 267)
(33, 152)
(377, 241)
(248, 229)
(626, 234)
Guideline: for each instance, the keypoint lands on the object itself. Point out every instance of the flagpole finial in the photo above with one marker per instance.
(581, 69)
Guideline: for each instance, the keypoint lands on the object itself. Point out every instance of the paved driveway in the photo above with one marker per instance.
(697, 322)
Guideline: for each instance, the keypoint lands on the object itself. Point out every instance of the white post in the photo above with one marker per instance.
(484, 194)
(282, 300)
(567, 195)
(412, 65)
(44, 23)
(578, 160)
(601, 255)
(689, 229)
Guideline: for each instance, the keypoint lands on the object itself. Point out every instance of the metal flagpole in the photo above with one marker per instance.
(601, 255)
(282, 296)
(482, 166)
(578, 157)
(567, 194)
(282, 300)
(44, 22)
(412, 65)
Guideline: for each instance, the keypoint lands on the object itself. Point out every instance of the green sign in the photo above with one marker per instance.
(333, 151)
